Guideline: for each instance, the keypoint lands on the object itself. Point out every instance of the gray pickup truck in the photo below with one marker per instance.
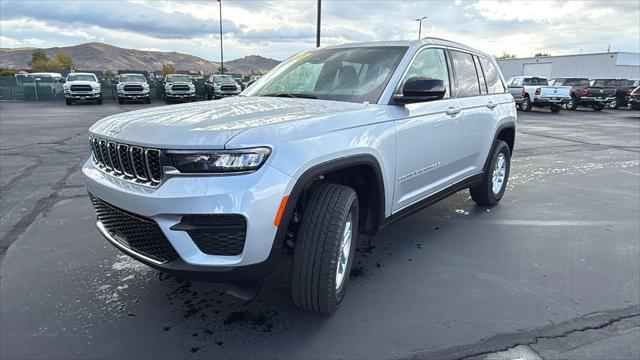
(534, 91)
(582, 94)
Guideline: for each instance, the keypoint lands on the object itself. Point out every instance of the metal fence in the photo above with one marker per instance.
(29, 88)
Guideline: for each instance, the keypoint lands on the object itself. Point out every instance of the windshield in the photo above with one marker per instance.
(178, 78)
(132, 78)
(224, 79)
(81, 77)
(355, 74)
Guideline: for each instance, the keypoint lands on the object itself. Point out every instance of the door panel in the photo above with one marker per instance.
(428, 155)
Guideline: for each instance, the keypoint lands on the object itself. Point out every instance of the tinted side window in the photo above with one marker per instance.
(431, 64)
(465, 72)
(492, 75)
(481, 78)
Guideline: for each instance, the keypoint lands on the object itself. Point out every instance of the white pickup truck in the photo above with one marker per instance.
(530, 91)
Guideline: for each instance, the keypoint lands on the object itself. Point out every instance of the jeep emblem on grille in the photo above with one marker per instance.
(114, 131)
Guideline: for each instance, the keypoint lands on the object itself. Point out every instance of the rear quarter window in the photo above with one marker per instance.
(492, 77)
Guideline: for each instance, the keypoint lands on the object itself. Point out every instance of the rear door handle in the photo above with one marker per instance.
(491, 105)
(453, 111)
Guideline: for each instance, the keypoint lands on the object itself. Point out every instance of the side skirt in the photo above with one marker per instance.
(434, 198)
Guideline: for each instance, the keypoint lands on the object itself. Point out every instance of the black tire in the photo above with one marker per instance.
(68, 102)
(483, 193)
(208, 96)
(598, 107)
(613, 105)
(526, 104)
(147, 100)
(555, 108)
(317, 250)
(99, 101)
(572, 104)
(120, 100)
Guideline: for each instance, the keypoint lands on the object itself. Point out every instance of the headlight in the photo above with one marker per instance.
(222, 161)
(217, 86)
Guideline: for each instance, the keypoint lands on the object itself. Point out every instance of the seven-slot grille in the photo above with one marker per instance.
(135, 232)
(129, 162)
(132, 88)
(180, 88)
(81, 88)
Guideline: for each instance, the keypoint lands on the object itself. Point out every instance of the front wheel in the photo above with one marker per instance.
(526, 104)
(324, 249)
(494, 181)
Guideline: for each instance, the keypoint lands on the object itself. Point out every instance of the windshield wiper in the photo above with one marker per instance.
(292, 95)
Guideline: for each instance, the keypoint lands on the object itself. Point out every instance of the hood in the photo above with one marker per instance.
(82, 82)
(210, 124)
(132, 83)
(179, 83)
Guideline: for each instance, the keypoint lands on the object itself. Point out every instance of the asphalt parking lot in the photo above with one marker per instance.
(553, 269)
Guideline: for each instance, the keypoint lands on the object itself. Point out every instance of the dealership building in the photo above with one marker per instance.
(619, 65)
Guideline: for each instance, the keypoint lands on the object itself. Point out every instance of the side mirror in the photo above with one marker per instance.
(419, 89)
(62, 81)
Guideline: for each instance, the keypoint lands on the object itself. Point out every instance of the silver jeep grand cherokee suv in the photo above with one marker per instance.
(333, 142)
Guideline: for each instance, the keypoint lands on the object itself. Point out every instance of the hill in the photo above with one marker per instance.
(99, 56)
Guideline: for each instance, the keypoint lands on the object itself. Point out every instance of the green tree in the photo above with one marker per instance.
(540, 54)
(38, 56)
(7, 72)
(505, 55)
(222, 70)
(64, 61)
(167, 68)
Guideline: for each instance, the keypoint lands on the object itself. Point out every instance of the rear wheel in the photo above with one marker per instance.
(614, 105)
(324, 249)
(526, 104)
(494, 182)
(572, 104)
(555, 108)
(598, 107)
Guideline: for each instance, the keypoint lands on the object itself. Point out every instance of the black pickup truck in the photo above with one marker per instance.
(585, 94)
(617, 86)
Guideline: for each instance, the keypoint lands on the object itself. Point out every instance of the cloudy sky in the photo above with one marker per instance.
(277, 29)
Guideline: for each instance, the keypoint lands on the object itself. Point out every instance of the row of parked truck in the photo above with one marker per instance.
(535, 91)
(81, 87)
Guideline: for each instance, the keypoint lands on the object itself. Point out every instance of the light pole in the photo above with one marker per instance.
(318, 26)
(221, 49)
(420, 26)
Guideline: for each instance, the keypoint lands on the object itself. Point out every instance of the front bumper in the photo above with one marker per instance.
(550, 100)
(133, 95)
(75, 96)
(256, 196)
(180, 95)
(221, 94)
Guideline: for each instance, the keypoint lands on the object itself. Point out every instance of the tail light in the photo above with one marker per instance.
(585, 91)
(538, 91)
(523, 93)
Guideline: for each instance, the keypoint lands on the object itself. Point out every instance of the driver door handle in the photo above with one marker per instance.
(453, 111)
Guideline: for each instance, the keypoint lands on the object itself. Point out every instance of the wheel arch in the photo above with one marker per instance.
(505, 132)
(362, 172)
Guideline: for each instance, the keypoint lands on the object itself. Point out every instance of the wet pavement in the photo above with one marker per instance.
(553, 269)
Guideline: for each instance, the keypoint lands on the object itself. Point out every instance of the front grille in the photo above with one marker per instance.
(228, 88)
(180, 88)
(217, 234)
(132, 88)
(132, 163)
(137, 233)
(81, 88)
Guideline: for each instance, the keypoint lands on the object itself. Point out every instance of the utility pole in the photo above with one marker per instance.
(318, 25)
(420, 26)
(221, 49)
